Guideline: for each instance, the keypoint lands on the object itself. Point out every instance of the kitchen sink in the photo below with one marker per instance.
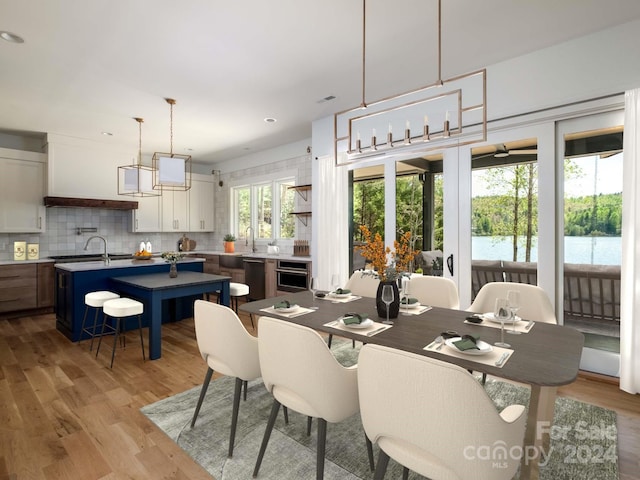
(232, 261)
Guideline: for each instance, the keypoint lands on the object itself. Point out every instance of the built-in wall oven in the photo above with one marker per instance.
(292, 275)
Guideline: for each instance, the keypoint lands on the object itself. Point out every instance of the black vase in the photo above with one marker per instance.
(394, 307)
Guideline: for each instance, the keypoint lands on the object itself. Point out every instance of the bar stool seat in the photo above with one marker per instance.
(94, 300)
(119, 309)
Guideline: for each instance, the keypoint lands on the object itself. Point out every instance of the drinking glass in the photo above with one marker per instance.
(513, 299)
(335, 282)
(405, 294)
(387, 298)
(502, 313)
(313, 288)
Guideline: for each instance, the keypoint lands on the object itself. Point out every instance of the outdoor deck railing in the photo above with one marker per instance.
(591, 292)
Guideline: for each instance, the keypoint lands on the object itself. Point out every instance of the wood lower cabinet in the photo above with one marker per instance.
(270, 278)
(211, 263)
(46, 290)
(18, 287)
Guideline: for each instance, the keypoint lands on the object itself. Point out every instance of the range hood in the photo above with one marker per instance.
(90, 203)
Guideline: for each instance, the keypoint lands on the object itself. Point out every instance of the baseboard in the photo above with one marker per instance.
(599, 377)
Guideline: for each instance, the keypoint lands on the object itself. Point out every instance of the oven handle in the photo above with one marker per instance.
(292, 270)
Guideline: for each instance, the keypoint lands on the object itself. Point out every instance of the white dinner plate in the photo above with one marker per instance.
(339, 295)
(492, 318)
(291, 308)
(483, 347)
(410, 305)
(366, 323)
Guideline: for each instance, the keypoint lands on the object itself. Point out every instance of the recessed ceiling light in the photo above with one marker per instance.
(270, 120)
(107, 134)
(11, 37)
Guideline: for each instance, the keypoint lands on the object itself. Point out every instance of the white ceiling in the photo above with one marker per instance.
(89, 66)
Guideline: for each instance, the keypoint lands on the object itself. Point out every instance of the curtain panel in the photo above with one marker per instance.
(630, 272)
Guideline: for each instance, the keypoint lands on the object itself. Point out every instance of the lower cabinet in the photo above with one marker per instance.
(18, 287)
(46, 273)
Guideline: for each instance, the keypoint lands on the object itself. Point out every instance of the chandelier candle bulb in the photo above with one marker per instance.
(373, 140)
(425, 135)
(358, 147)
(445, 132)
(389, 138)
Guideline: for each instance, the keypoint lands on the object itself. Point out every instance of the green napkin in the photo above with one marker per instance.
(342, 291)
(467, 342)
(282, 304)
(354, 318)
(408, 301)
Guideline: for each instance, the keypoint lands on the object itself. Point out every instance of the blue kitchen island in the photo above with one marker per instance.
(74, 280)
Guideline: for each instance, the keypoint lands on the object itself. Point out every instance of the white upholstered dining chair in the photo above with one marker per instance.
(436, 419)
(227, 348)
(534, 302)
(302, 374)
(363, 284)
(434, 291)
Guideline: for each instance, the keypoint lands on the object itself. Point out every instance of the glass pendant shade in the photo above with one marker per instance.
(136, 180)
(172, 171)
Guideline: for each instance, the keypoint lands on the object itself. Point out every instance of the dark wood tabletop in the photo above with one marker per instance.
(548, 355)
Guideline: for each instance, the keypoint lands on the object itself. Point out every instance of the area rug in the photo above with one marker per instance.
(584, 437)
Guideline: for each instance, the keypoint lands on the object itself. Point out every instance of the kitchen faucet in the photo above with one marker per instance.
(105, 257)
(253, 238)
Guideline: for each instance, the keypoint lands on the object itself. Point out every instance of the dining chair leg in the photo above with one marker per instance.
(285, 410)
(381, 467)
(322, 443)
(267, 433)
(234, 414)
(309, 421)
(203, 391)
(370, 452)
(245, 384)
(484, 378)
(405, 473)
(329, 341)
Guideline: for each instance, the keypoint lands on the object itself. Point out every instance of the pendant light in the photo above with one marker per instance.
(136, 180)
(172, 170)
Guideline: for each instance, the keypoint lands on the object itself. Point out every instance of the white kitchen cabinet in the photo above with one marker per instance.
(175, 216)
(22, 187)
(147, 217)
(201, 206)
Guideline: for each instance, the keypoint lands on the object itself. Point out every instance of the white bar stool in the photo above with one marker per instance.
(94, 300)
(120, 308)
(236, 290)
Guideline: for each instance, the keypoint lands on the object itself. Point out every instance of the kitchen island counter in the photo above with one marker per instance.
(74, 280)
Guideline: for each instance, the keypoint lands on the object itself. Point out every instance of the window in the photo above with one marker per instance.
(265, 207)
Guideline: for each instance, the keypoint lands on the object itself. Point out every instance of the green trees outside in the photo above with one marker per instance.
(368, 208)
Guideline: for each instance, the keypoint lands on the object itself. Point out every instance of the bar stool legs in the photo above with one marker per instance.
(94, 300)
(120, 309)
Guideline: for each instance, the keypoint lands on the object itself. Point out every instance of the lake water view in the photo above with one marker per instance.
(590, 250)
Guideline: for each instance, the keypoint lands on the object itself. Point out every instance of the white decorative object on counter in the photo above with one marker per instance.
(19, 250)
(33, 251)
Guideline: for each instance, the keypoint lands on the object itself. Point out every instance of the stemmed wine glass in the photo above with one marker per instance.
(405, 295)
(313, 288)
(335, 282)
(502, 313)
(513, 299)
(387, 298)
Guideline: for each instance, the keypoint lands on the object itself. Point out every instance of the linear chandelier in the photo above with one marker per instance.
(172, 170)
(428, 118)
(136, 179)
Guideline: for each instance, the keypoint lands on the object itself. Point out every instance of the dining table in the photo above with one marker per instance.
(544, 356)
(153, 288)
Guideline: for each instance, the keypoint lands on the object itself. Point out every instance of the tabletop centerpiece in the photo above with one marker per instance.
(387, 265)
(172, 258)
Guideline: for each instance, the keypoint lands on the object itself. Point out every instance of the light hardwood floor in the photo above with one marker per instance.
(65, 415)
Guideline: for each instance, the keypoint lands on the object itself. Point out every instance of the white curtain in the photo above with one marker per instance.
(630, 292)
(333, 232)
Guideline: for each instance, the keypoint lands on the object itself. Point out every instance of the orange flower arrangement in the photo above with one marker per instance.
(388, 265)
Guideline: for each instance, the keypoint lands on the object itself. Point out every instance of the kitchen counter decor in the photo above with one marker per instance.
(172, 258)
